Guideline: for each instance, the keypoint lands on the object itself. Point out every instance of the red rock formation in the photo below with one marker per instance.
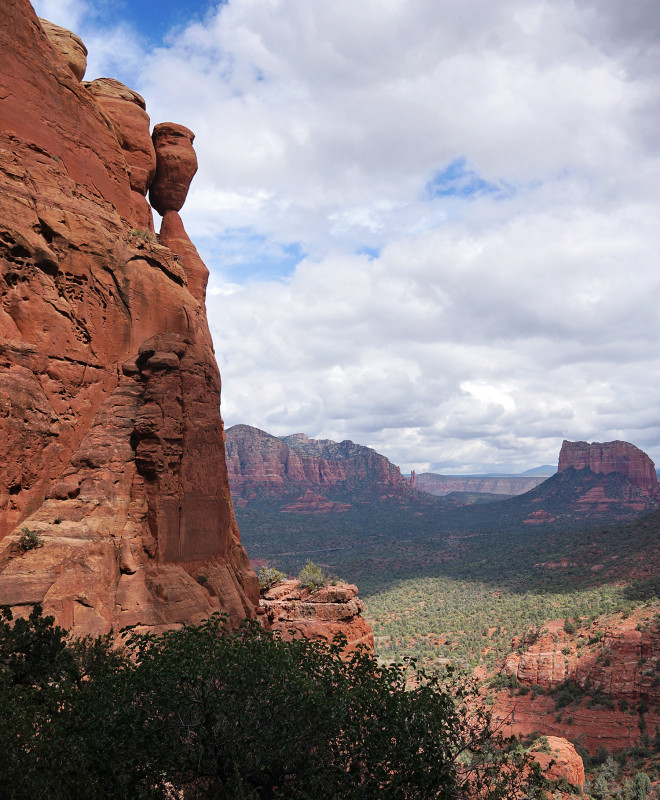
(617, 660)
(177, 165)
(69, 46)
(296, 612)
(258, 461)
(559, 761)
(127, 113)
(312, 503)
(606, 457)
(110, 434)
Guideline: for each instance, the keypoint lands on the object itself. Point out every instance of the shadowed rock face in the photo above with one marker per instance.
(111, 443)
(606, 457)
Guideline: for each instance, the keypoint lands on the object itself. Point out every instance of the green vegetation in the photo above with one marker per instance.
(207, 712)
(314, 576)
(268, 576)
(29, 540)
(458, 584)
(148, 236)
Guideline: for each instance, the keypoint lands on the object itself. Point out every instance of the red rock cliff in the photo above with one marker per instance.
(258, 461)
(297, 612)
(110, 433)
(606, 457)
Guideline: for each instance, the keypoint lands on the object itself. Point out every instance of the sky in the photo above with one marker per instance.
(431, 225)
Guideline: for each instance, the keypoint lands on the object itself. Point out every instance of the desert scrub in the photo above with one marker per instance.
(314, 577)
(269, 576)
(29, 540)
(138, 233)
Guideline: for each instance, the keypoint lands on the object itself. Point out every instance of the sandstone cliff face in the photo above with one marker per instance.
(111, 439)
(296, 612)
(615, 662)
(606, 457)
(259, 462)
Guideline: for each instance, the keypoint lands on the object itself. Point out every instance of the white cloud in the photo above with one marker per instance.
(498, 165)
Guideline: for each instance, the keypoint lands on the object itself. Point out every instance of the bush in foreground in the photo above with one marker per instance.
(215, 713)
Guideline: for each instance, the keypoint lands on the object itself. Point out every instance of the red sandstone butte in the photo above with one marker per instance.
(126, 111)
(606, 457)
(297, 612)
(111, 439)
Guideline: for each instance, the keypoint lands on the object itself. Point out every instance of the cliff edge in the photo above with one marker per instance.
(114, 499)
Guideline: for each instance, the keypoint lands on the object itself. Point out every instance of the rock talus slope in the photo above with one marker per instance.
(110, 432)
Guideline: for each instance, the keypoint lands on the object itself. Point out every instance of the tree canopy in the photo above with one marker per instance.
(209, 712)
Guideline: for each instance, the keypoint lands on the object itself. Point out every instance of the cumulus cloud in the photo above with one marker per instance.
(431, 226)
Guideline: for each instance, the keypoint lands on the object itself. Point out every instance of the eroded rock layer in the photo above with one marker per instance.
(597, 684)
(110, 433)
(297, 612)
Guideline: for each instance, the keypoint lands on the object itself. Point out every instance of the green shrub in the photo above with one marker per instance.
(29, 540)
(313, 576)
(269, 576)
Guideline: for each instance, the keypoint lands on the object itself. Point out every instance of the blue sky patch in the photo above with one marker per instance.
(460, 180)
(372, 252)
(153, 19)
(244, 256)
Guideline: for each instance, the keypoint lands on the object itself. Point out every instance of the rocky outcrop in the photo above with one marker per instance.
(441, 485)
(559, 761)
(67, 45)
(297, 612)
(598, 685)
(177, 165)
(110, 434)
(606, 457)
(126, 111)
(260, 463)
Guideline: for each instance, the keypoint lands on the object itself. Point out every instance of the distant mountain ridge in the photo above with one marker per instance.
(441, 485)
(308, 475)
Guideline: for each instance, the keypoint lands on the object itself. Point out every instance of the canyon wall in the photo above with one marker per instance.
(598, 685)
(114, 500)
(259, 462)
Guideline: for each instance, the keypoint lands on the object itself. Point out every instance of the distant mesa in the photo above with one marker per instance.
(441, 485)
(606, 457)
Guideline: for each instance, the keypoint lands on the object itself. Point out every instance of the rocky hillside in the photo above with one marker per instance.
(314, 476)
(114, 498)
(597, 682)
